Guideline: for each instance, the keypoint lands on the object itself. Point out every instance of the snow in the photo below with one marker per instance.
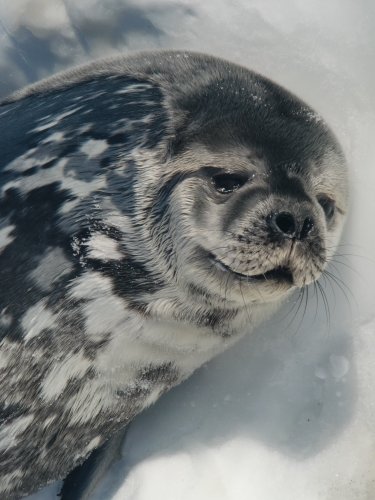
(289, 413)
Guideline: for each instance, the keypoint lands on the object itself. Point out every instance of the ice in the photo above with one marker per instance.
(339, 366)
(289, 413)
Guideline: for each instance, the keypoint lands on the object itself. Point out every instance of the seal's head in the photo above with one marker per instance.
(257, 185)
(239, 192)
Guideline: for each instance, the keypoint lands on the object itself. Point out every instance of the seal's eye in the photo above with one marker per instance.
(228, 182)
(328, 205)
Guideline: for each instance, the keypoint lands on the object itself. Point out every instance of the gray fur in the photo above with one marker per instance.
(123, 268)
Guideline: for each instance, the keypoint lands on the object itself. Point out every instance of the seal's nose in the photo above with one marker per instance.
(286, 225)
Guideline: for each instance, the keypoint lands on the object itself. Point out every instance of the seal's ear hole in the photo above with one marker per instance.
(228, 182)
(328, 205)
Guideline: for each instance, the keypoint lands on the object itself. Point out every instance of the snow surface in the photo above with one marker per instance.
(289, 413)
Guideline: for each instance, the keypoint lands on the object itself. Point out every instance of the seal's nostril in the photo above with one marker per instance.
(307, 227)
(284, 223)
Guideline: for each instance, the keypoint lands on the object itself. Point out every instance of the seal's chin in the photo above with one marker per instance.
(280, 274)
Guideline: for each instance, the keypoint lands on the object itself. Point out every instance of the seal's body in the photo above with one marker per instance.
(153, 210)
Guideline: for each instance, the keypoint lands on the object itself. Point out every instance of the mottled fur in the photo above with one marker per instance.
(117, 252)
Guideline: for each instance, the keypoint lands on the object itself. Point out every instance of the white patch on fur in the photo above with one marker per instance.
(90, 285)
(10, 432)
(93, 147)
(9, 480)
(113, 218)
(93, 397)
(55, 382)
(78, 187)
(102, 315)
(5, 237)
(103, 248)
(55, 120)
(36, 319)
(39, 179)
(152, 397)
(46, 126)
(68, 180)
(51, 267)
(134, 342)
(94, 443)
(6, 112)
(5, 355)
(187, 346)
(55, 137)
(48, 421)
(23, 162)
(5, 318)
(94, 95)
(29, 160)
(135, 87)
(84, 128)
(103, 311)
(81, 189)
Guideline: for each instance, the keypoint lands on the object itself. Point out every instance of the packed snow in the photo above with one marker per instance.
(289, 412)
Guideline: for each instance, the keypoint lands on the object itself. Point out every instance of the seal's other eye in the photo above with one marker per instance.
(328, 205)
(227, 182)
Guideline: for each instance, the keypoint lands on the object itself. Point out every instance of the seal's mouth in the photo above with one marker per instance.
(280, 274)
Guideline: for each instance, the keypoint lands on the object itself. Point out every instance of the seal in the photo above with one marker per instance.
(153, 210)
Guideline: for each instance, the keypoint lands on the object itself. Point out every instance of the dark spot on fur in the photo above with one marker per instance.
(35, 218)
(92, 349)
(49, 164)
(215, 317)
(133, 393)
(118, 139)
(10, 412)
(242, 202)
(160, 374)
(162, 198)
(29, 171)
(106, 162)
(130, 278)
(52, 440)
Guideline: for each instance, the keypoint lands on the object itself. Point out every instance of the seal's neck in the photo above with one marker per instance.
(181, 307)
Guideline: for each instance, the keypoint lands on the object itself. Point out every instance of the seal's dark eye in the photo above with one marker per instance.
(328, 205)
(227, 182)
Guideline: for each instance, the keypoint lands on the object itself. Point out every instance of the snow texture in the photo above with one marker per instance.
(289, 413)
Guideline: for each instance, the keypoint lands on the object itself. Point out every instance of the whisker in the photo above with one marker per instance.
(316, 301)
(345, 264)
(326, 279)
(244, 303)
(342, 286)
(302, 297)
(226, 287)
(299, 301)
(293, 303)
(325, 302)
(306, 296)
